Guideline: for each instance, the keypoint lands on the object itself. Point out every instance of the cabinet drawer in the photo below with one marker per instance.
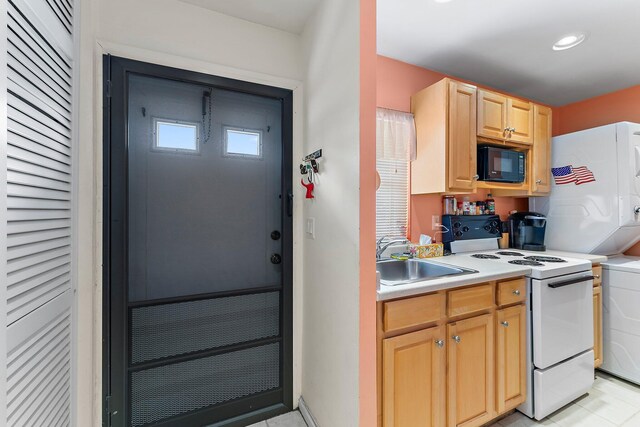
(414, 311)
(597, 275)
(468, 300)
(511, 291)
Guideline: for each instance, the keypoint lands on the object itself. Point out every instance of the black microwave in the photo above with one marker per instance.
(500, 164)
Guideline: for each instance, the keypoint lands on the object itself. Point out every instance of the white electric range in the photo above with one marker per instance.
(560, 358)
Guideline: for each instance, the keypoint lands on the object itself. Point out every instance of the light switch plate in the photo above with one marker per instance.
(311, 228)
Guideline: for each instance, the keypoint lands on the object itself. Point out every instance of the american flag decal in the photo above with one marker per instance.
(568, 174)
(563, 175)
(583, 175)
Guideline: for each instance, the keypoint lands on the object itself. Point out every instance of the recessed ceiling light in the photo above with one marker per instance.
(569, 41)
(442, 1)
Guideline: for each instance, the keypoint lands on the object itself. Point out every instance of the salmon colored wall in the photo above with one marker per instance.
(623, 105)
(396, 82)
(367, 318)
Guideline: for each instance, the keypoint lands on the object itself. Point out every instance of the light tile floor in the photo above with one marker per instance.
(292, 419)
(611, 403)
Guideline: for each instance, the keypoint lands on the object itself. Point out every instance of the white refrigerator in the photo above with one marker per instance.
(600, 216)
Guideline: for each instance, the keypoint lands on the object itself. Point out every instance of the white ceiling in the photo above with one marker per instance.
(286, 15)
(506, 44)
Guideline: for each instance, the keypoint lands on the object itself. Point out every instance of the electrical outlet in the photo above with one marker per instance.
(435, 221)
(311, 228)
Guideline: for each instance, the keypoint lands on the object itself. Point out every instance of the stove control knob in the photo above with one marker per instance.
(458, 233)
(465, 228)
(487, 227)
(494, 224)
(456, 225)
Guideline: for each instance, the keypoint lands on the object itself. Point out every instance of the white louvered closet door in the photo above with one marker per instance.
(38, 221)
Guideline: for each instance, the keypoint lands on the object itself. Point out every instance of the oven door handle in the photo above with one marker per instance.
(570, 282)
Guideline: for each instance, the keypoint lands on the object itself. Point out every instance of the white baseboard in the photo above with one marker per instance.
(304, 411)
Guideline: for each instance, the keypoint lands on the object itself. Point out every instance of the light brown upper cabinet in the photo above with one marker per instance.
(541, 151)
(503, 118)
(492, 115)
(445, 115)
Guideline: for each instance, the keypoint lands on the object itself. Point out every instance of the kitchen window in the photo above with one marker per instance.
(395, 148)
(176, 136)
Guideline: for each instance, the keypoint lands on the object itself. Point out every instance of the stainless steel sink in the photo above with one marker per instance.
(394, 272)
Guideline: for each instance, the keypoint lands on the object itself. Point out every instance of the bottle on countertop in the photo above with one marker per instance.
(491, 204)
(466, 206)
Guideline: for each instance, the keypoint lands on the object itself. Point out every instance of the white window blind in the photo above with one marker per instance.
(395, 147)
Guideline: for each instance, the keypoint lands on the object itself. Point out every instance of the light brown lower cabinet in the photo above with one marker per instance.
(414, 366)
(597, 325)
(470, 374)
(453, 358)
(511, 347)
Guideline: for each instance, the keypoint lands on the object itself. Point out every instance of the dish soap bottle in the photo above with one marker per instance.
(491, 204)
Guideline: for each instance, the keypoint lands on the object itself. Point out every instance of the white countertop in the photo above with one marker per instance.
(486, 272)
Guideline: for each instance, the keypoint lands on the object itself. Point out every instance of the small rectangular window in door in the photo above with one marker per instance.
(175, 135)
(242, 143)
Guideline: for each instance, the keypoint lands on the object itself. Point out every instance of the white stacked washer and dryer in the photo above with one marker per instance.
(603, 217)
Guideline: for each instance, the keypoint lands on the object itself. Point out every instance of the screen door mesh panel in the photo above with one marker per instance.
(171, 390)
(173, 329)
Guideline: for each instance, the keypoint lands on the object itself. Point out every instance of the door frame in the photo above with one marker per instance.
(115, 221)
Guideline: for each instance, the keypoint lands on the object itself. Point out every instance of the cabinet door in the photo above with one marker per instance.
(461, 147)
(470, 373)
(597, 325)
(413, 381)
(492, 115)
(511, 380)
(541, 151)
(520, 121)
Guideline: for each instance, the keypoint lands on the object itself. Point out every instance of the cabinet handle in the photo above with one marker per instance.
(516, 292)
(440, 343)
(513, 129)
(476, 176)
(505, 324)
(538, 181)
(456, 338)
(597, 276)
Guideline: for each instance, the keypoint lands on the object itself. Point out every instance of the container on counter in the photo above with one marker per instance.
(491, 204)
(480, 206)
(466, 206)
(449, 205)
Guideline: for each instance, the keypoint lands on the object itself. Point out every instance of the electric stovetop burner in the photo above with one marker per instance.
(526, 262)
(540, 258)
(485, 256)
(509, 253)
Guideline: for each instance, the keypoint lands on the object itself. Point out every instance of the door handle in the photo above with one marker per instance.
(570, 282)
(456, 338)
(440, 343)
(505, 324)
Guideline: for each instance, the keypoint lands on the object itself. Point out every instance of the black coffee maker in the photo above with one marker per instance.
(526, 231)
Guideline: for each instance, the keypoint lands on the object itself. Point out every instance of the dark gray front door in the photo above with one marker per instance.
(199, 250)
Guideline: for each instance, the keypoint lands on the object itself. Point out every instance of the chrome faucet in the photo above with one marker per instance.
(381, 247)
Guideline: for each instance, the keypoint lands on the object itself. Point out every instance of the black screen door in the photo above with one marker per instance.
(198, 243)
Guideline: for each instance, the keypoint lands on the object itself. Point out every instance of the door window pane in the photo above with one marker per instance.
(242, 142)
(175, 135)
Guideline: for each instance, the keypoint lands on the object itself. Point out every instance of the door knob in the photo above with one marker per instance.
(505, 324)
(476, 176)
(440, 343)
(636, 210)
(276, 259)
(538, 181)
(275, 235)
(516, 292)
(456, 338)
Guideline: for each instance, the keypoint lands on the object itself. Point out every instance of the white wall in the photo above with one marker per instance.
(331, 270)
(175, 34)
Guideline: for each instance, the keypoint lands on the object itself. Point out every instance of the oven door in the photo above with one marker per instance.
(562, 317)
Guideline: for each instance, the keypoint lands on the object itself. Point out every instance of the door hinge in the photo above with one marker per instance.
(107, 88)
